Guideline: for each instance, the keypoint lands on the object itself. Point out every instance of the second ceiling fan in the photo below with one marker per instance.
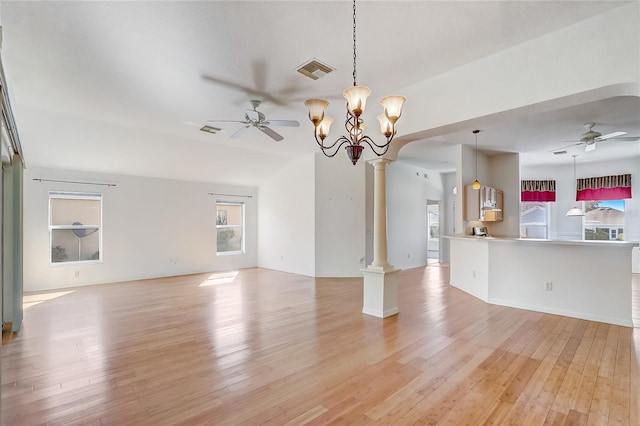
(591, 137)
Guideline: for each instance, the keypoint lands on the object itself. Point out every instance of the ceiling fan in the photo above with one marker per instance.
(258, 87)
(591, 137)
(254, 118)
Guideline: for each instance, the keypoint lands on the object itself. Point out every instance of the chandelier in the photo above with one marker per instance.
(356, 101)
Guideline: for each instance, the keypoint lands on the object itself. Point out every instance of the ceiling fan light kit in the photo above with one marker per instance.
(356, 97)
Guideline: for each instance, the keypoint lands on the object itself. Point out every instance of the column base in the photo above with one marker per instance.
(380, 297)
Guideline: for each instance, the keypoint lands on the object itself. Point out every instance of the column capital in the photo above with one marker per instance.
(380, 161)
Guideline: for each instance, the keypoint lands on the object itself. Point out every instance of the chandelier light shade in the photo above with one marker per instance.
(322, 130)
(476, 183)
(575, 211)
(386, 126)
(393, 107)
(316, 110)
(356, 97)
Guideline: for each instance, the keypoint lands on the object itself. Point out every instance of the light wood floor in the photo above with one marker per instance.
(273, 348)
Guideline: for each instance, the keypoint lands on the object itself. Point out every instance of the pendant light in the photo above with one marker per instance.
(575, 211)
(476, 183)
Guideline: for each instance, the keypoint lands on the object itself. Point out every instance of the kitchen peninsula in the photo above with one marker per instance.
(581, 279)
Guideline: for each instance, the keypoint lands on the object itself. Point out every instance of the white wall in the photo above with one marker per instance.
(151, 228)
(556, 65)
(570, 228)
(286, 222)
(340, 216)
(470, 266)
(407, 194)
(591, 281)
(586, 280)
(447, 220)
(504, 174)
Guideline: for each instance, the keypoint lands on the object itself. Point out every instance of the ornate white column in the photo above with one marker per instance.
(380, 297)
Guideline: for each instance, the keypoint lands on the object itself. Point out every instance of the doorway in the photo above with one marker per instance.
(433, 230)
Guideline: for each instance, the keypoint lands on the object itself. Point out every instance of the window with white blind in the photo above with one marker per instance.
(75, 227)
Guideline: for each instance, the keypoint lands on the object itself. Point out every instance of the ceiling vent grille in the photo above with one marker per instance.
(210, 129)
(314, 69)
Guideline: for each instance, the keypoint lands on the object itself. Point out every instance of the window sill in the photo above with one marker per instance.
(75, 263)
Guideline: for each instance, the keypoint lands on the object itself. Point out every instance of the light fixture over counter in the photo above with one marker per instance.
(575, 211)
(356, 101)
(476, 183)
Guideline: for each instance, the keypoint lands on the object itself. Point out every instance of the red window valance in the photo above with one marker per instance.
(537, 190)
(603, 188)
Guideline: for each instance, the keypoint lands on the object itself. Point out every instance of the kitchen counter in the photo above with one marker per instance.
(582, 279)
(610, 244)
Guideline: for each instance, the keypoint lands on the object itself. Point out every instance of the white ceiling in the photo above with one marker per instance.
(537, 135)
(125, 86)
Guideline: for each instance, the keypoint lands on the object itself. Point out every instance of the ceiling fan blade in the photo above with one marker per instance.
(226, 121)
(286, 123)
(240, 131)
(610, 135)
(565, 147)
(269, 132)
(627, 138)
(254, 93)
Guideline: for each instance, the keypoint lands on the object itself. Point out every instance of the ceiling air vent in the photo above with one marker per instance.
(210, 129)
(314, 69)
(559, 152)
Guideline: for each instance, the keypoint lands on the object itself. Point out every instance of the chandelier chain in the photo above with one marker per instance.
(354, 43)
(355, 140)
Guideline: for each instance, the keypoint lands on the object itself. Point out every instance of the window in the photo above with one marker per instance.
(75, 227)
(534, 220)
(230, 228)
(604, 220)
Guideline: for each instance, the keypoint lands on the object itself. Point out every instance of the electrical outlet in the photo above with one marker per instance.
(474, 273)
(548, 286)
(76, 274)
